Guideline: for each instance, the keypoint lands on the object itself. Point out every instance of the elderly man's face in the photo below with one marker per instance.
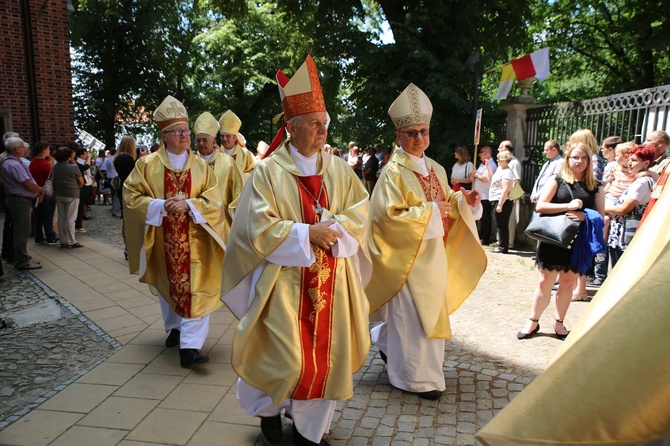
(309, 134)
(414, 139)
(655, 139)
(505, 145)
(19, 150)
(229, 140)
(549, 151)
(178, 139)
(204, 143)
(485, 153)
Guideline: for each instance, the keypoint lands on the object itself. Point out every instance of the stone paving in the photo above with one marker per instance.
(40, 356)
(132, 397)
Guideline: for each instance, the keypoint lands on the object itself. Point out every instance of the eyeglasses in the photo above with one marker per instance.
(579, 158)
(186, 132)
(415, 133)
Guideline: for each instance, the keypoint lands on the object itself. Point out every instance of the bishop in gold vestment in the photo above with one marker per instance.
(174, 228)
(229, 128)
(425, 253)
(294, 273)
(227, 173)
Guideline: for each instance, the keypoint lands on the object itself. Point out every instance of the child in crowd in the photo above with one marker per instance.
(619, 176)
(619, 179)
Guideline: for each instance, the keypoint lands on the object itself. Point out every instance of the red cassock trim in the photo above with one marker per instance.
(315, 314)
(176, 243)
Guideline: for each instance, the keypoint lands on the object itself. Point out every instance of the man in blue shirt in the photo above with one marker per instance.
(21, 190)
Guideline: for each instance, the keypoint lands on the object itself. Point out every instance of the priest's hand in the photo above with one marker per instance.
(444, 207)
(472, 197)
(322, 235)
(174, 205)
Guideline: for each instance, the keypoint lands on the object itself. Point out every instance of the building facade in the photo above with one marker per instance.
(36, 88)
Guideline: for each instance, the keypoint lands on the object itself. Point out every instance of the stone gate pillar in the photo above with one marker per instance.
(517, 133)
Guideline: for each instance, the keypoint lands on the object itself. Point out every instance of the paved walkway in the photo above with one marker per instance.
(141, 396)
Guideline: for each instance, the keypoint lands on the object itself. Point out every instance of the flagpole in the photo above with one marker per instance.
(498, 67)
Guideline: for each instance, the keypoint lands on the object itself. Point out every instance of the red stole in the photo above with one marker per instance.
(433, 191)
(315, 314)
(176, 243)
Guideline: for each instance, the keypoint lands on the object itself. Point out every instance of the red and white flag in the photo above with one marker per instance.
(535, 65)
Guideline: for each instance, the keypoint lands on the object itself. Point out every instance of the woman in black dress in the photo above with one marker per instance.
(576, 176)
(124, 163)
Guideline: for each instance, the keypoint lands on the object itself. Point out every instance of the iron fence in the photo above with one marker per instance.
(632, 116)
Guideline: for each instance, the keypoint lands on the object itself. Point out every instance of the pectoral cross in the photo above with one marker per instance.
(181, 195)
(318, 210)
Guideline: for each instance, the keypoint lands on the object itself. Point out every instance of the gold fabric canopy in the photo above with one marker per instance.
(609, 384)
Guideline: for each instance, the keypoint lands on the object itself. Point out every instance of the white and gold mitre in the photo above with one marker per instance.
(241, 140)
(170, 113)
(262, 148)
(207, 124)
(411, 107)
(230, 123)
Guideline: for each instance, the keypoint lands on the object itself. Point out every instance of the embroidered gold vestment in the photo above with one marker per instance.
(182, 260)
(230, 183)
(273, 347)
(244, 160)
(444, 273)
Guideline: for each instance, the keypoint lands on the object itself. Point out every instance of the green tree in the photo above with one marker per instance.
(125, 52)
(602, 47)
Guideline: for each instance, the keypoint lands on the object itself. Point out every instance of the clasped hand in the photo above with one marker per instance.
(322, 235)
(174, 205)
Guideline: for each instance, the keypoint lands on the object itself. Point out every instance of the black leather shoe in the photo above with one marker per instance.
(499, 250)
(431, 395)
(559, 335)
(383, 356)
(299, 440)
(191, 356)
(521, 335)
(173, 338)
(272, 429)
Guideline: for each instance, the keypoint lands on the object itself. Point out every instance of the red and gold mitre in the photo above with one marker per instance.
(302, 93)
(170, 113)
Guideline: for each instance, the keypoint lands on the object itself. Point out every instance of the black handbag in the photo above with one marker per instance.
(554, 229)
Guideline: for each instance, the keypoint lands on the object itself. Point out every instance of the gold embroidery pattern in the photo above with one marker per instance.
(176, 245)
(432, 190)
(322, 271)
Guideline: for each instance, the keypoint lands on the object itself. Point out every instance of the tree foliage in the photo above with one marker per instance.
(602, 47)
(223, 54)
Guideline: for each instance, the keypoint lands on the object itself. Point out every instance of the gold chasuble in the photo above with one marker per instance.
(441, 272)
(180, 259)
(230, 183)
(608, 383)
(244, 160)
(303, 331)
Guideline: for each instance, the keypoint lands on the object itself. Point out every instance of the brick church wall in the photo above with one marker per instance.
(53, 78)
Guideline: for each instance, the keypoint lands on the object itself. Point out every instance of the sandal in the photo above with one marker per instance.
(559, 335)
(521, 335)
(76, 245)
(580, 297)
